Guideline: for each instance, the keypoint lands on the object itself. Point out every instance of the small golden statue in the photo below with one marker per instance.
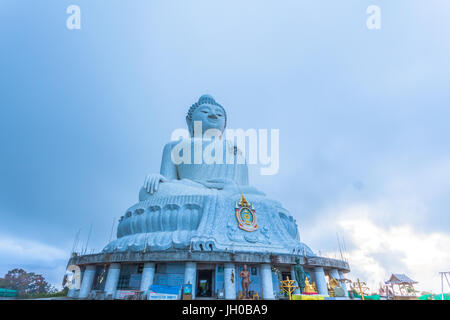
(309, 289)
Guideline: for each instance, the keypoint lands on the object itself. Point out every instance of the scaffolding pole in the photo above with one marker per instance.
(444, 274)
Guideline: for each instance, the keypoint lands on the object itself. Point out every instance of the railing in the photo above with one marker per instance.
(217, 257)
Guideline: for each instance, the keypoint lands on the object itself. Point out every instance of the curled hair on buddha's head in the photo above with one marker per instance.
(204, 99)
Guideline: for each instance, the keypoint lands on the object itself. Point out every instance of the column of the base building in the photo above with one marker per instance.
(86, 283)
(71, 293)
(190, 276)
(112, 279)
(321, 283)
(335, 274)
(266, 281)
(297, 291)
(148, 273)
(229, 281)
(343, 285)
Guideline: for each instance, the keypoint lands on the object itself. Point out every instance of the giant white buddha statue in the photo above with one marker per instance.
(206, 205)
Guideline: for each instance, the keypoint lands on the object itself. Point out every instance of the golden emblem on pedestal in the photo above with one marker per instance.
(246, 215)
(332, 284)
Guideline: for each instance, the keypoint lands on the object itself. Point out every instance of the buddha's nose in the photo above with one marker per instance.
(212, 116)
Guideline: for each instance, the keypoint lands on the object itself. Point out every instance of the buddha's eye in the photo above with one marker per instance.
(204, 111)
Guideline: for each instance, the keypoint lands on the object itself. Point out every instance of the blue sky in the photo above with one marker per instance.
(363, 118)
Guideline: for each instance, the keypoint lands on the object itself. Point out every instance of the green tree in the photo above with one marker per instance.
(26, 283)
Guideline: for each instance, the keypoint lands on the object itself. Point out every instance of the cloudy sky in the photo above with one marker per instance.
(363, 118)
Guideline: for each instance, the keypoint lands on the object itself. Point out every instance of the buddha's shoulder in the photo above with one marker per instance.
(171, 144)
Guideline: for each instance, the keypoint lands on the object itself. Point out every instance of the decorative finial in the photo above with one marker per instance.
(243, 202)
(206, 98)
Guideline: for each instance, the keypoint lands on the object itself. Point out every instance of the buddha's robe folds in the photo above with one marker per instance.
(198, 212)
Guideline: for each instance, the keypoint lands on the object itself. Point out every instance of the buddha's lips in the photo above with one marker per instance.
(213, 120)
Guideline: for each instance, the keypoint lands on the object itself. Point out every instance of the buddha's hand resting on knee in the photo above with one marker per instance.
(151, 182)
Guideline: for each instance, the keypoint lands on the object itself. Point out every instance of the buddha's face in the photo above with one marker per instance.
(211, 116)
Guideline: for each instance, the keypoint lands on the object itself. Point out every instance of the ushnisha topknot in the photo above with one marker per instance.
(205, 99)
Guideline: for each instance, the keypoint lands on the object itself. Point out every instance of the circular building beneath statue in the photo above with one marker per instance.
(211, 274)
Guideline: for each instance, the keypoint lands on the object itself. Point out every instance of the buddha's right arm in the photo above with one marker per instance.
(168, 168)
(168, 172)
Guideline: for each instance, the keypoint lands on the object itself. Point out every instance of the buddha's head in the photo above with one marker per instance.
(211, 114)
